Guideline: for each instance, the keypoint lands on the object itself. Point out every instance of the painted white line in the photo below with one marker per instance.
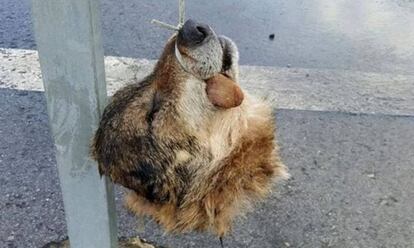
(287, 88)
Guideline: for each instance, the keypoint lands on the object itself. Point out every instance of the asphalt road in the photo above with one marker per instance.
(369, 35)
(352, 180)
(352, 183)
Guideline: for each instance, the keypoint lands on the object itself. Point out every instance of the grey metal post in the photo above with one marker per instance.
(68, 35)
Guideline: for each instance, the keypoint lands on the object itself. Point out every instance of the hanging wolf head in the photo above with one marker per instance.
(194, 150)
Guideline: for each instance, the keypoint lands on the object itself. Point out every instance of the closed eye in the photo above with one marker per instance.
(154, 108)
(227, 61)
(227, 58)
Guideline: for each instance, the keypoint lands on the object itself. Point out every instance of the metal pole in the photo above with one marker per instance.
(68, 35)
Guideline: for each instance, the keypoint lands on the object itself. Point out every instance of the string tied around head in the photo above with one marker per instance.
(181, 18)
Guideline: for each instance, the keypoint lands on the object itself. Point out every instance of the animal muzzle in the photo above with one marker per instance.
(194, 33)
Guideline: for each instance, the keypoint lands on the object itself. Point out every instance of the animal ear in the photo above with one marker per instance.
(224, 92)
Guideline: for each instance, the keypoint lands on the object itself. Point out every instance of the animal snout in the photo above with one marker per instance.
(194, 33)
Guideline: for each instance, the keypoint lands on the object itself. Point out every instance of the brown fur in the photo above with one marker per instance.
(188, 164)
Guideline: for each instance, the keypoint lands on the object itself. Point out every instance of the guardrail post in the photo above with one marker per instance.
(68, 35)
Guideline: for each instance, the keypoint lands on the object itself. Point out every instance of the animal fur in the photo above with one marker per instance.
(189, 164)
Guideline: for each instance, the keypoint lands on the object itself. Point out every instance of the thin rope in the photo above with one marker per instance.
(181, 13)
(181, 18)
(165, 25)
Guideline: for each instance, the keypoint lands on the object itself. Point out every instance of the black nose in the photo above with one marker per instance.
(193, 33)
